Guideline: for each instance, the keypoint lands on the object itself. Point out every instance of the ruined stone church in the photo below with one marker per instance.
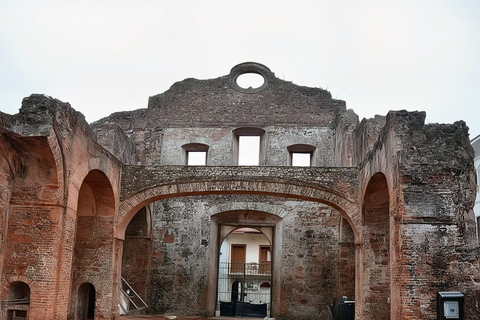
(225, 200)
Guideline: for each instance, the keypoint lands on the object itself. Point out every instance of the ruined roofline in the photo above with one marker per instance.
(221, 102)
(246, 68)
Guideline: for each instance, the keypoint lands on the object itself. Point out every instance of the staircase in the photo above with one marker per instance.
(130, 301)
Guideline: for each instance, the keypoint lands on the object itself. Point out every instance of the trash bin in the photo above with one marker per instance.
(226, 309)
(344, 309)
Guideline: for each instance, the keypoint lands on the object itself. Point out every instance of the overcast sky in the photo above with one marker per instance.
(107, 56)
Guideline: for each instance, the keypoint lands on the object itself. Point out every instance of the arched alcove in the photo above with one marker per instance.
(18, 304)
(96, 196)
(86, 302)
(376, 249)
(19, 293)
(136, 256)
(94, 243)
(346, 267)
(33, 161)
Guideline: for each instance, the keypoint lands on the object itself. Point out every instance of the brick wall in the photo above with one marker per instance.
(137, 251)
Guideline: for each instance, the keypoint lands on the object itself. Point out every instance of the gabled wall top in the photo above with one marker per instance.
(221, 102)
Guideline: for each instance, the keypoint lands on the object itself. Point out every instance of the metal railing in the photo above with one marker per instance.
(244, 289)
(131, 296)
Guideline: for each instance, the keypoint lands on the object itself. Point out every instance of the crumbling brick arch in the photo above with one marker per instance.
(375, 250)
(76, 176)
(130, 206)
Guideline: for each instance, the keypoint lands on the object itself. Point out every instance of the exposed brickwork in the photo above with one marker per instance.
(137, 251)
(383, 216)
(438, 220)
(46, 147)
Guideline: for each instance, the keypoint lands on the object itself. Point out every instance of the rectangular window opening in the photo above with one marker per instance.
(301, 159)
(196, 158)
(248, 150)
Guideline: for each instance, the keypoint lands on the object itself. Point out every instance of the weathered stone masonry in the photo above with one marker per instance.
(384, 214)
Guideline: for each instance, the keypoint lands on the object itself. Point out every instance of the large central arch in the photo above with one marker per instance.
(347, 208)
(337, 188)
(130, 206)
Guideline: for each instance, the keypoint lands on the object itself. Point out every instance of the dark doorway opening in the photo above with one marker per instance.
(86, 302)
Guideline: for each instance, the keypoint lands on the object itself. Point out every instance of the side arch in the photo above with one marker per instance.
(93, 243)
(79, 174)
(375, 252)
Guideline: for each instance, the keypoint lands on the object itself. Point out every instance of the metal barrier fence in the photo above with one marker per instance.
(244, 289)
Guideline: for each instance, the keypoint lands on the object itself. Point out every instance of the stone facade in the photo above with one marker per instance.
(384, 214)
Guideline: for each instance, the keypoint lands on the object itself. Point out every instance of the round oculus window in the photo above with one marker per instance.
(250, 80)
(250, 77)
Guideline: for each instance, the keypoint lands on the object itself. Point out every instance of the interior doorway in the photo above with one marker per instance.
(86, 302)
(245, 273)
(237, 258)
